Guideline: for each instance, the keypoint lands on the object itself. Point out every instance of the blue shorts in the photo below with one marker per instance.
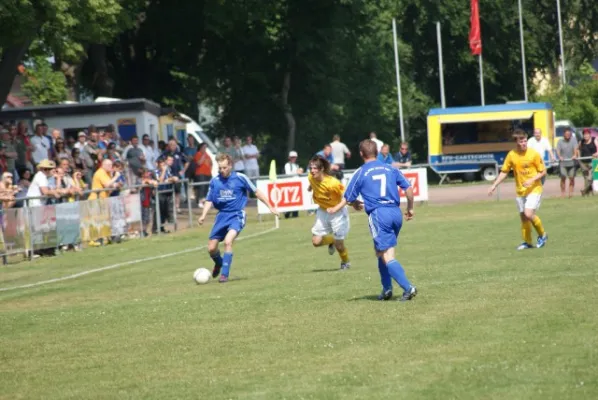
(385, 225)
(227, 221)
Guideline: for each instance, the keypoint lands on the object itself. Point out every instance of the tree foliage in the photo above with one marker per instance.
(43, 85)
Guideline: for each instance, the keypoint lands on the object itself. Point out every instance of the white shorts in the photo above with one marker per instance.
(336, 224)
(531, 201)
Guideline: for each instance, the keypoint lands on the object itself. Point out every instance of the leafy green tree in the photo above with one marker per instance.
(43, 85)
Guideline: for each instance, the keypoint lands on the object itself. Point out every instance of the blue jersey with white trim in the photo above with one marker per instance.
(377, 183)
(230, 194)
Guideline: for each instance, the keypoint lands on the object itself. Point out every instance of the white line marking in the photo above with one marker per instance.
(124, 264)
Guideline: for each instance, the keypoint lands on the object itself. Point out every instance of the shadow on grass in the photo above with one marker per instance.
(370, 297)
(325, 270)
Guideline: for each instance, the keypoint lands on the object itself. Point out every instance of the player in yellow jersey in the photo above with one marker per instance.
(329, 229)
(528, 170)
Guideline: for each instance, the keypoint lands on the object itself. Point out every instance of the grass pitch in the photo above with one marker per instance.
(489, 322)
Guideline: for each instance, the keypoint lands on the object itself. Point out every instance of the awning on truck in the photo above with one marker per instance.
(483, 117)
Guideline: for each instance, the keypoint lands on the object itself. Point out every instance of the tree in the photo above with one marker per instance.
(64, 27)
(43, 85)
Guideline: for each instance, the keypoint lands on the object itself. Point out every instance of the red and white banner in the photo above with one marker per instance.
(287, 194)
(290, 194)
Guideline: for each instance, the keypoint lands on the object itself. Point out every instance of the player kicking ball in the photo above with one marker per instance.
(228, 194)
(329, 229)
(528, 170)
(377, 183)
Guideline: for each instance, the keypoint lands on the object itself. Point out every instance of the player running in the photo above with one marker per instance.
(228, 194)
(329, 229)
(377, 183)
(528, 170)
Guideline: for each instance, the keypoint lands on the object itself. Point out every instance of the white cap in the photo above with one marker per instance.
(293, 154)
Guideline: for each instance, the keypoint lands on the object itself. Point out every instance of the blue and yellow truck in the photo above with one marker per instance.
(472, 141)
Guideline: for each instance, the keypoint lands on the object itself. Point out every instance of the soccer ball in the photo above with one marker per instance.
(202, 275)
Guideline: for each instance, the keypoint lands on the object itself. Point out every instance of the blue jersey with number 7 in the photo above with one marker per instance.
(377, 183)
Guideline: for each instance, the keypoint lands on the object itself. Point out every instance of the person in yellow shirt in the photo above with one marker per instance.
(329, 229)
(528, 170)
(104, 179)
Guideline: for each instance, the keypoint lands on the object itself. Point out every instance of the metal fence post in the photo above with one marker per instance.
(174, 206)
(30, 222)
(189, 210)
(157, 216)
(498, 188)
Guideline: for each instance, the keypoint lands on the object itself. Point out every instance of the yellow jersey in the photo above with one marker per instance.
(327, 193)
(525, 165)
(100, 180)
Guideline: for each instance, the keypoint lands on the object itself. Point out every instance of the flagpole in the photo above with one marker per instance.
(394, 35)
(481, 79)
(440, 65)
(558, 6)
(523, 69)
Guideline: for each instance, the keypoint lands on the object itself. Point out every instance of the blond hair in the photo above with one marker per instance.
(224, 156)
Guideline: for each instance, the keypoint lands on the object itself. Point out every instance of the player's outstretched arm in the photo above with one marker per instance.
(262, 197)
(337, 207)
(409, 214)
(206, 207)
(501, 177)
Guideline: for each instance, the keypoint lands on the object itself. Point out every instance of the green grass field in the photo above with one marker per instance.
(489, 322)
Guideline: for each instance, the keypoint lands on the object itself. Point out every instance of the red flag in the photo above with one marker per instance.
(475, 35)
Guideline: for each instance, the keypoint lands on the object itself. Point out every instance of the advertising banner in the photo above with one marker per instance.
(133, 212)
(287, 194)
(118, 221)
(68, 222)
(43, 227)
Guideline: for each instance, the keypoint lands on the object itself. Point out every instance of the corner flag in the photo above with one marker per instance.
(272, 177)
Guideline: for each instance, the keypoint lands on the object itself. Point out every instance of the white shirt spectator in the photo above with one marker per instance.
(39, 181)
(251, 163)
(339, 149)
(291, 168)
(541, 146)
(379, 143)
(41, 146)
(150, 157)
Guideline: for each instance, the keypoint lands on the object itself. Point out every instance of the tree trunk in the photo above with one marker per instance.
(11, 58)
(287, 110)
(102, 85)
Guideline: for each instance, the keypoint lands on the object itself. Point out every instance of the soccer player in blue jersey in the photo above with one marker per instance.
(377, 183)
(228, 194)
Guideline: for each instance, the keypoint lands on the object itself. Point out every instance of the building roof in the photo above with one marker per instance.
(45, 111)
(490, 108)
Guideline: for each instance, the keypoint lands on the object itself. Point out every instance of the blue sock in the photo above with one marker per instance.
(384, 275)
(217, 259)
(227, 260)
(398, 273)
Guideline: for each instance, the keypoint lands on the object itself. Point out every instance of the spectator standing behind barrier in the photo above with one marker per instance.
(134, 155)
(339, 151)
(146, 197)
(587, 148)
(81, 141)
(78, 162)
(379, 143)
(150, 153)
(24, 147)
(384, 155)
(567, 151)
(8, 190)
(10, 152)
(60, 151)
(251, 166)
(292, 168)
(178, 167)
(238, 156)
(165, 179)
(118, 168)
(403, 157)
(541, 145)
(39, 185)
(41, 145)
(203, 173)
(93, 154)
(62, 184)
(104, 179)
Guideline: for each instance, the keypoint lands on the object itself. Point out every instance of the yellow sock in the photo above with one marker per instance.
(327, 240)
(344, 255)
(526, 232)
(537, 223)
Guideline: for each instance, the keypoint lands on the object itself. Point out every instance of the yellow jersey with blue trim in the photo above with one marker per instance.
(525, 165)
(328, 192)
